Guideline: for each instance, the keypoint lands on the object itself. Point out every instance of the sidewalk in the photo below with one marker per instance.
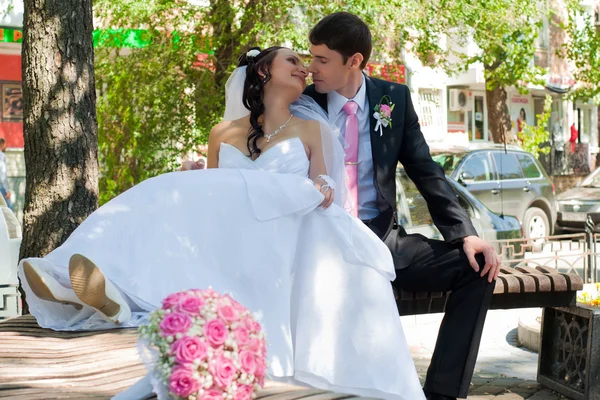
(503, 370)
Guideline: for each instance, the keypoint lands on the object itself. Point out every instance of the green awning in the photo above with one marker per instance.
(121, 38)
(11, 35)
(136, 39)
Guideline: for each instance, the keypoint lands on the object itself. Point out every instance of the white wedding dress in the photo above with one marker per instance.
(318, 280)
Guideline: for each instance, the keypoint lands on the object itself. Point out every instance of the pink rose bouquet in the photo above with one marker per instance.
(209, 347)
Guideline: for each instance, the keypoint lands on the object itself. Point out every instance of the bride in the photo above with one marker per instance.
(268, 227)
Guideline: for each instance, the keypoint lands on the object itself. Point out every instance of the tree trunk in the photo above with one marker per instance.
(60, 126)
(498, 117)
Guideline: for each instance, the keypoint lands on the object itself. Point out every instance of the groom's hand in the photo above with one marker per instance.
(473, 245)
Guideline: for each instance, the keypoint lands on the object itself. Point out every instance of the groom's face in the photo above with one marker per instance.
(329, 72)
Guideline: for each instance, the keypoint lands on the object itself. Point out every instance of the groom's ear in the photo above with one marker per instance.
(356, 60)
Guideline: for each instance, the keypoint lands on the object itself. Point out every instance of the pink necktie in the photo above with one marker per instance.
(351, 159)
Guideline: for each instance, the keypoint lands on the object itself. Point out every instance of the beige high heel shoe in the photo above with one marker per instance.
(46, 287)
(94, 290)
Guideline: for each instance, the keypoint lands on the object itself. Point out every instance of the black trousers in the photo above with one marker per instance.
(437, 266)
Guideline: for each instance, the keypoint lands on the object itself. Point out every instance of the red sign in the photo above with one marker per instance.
(389, 72)
(560, 81)
(11, 124)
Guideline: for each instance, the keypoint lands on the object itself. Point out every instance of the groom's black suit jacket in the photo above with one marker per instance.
(404, 143)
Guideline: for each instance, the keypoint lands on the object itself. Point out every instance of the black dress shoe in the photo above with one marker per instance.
(437, 396)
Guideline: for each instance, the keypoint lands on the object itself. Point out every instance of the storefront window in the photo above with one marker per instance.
(431, 115)
(480, 131)
(585, 123)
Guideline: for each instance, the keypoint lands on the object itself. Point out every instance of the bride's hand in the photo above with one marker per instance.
(326, 191)
(191, 165)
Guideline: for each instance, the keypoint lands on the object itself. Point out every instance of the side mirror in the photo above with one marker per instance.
(466, 178)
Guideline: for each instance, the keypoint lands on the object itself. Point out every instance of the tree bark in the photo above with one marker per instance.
(499, 122)
(60, 126)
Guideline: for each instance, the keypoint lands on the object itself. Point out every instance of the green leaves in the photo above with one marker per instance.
(160, 99)
(583, 50)
(532, 137)
(161, 94)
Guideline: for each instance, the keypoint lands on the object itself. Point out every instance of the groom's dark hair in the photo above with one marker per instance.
(345, 33)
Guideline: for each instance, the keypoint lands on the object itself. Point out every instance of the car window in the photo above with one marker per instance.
(417, 206)
(530, 169)
(478, 165)
(448, 161)
(592, 180)
(507, 165)
(465, 205)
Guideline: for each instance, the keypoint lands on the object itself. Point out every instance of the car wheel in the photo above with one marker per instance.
(536, 224)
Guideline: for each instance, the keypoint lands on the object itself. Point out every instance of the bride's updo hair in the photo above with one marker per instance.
(257, 76)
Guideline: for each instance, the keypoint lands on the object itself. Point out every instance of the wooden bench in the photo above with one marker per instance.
(519, 287)
(38, 364)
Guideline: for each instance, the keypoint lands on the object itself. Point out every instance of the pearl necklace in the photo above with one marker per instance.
(278, 130)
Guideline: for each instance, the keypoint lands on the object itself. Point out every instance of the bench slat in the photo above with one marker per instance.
(543, 281)
(527, 283)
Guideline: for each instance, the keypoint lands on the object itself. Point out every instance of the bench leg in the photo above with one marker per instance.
(569, 359)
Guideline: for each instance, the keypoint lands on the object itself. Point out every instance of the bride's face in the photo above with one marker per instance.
(288, 72)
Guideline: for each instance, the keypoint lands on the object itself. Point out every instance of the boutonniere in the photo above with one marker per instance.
(383, 114)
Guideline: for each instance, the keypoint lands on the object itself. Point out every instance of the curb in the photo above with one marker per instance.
(528, 331)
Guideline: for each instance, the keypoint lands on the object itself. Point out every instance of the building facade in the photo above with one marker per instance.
(573, 125)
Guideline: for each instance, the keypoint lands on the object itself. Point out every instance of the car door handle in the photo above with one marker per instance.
(526, 189)
(495, 191)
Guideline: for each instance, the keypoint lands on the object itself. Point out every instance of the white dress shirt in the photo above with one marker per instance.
(367, 194)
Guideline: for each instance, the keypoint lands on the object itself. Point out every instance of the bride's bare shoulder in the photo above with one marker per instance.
(226, 129)
(307, 125)
(308, 128)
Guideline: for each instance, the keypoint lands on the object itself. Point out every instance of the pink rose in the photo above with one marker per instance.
(174, 323)
(243, 392)
(182, 382)
(247, 323)
(190, 304)
(261, 381)
(188, 349)
(254, 346)
(223, 371)
(237, 306)
(227, 313)
(385, 110)
(216, 332)
(261, 368)
(171, 300)
(263, 348)
(248, 362)
(212, 394)
(242, 336)
(256, 327)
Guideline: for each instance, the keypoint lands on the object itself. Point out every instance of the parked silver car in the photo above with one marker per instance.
(575, 204)
(508, 181)
(414, 216)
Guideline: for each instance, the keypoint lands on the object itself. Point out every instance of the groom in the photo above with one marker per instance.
(463, 263)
